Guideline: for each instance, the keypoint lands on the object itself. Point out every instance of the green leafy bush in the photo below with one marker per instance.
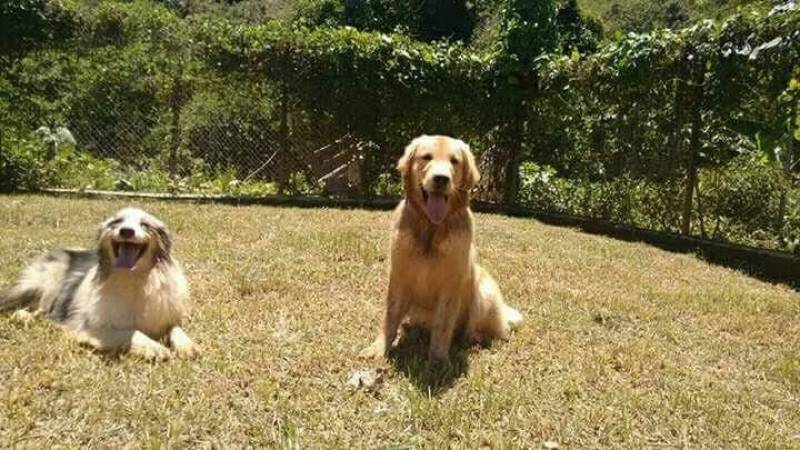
(299, 184)
(388, 185)
(233, 125)
(690, 130)
(28, 24)
(74, 169)
(20, 164)
(423, 20)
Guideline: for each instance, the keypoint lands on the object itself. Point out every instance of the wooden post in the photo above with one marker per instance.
(176, 102)
(691, 159)
(283, 178)
(786, 172)
(513, 143)
(691, 181)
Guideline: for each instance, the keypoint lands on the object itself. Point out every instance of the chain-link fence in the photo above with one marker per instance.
(740, 201)
(664, 132)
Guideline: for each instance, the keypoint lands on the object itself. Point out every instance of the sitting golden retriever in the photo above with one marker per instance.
(434, 281)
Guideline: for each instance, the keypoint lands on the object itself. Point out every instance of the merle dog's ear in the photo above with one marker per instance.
(405, 162)
(163, 237)
(103, 256)
(102, 226)
(164, 244)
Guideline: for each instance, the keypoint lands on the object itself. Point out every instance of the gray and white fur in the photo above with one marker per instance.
(128, 294)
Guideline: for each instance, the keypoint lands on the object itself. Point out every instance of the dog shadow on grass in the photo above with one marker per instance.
(410, 357)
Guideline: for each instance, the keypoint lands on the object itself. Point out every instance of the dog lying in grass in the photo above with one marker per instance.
(434, 280)
(128, 294)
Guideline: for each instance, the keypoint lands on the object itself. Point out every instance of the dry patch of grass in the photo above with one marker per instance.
(624, 345)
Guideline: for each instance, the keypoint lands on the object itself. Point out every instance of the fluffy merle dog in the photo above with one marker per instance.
(128, 294)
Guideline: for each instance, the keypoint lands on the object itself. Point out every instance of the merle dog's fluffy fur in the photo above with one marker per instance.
(128, 294)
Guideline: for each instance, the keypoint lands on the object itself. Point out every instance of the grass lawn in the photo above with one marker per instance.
(624, 345)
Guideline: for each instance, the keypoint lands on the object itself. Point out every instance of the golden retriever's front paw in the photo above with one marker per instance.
(439, 351)
(151, 352)
(187, 350)
(373, 351)
(437, 356)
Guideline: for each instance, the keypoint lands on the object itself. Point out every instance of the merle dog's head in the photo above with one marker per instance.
(133, 241)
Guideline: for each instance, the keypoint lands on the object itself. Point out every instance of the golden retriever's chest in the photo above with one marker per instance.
(428, 276)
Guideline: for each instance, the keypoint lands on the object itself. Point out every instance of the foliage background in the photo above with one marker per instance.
(675, 116)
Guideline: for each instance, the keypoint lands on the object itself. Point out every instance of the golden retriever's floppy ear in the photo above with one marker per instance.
(471, 174)
(404, 164)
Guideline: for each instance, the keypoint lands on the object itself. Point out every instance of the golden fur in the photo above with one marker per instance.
(434, 280)
(107, 301)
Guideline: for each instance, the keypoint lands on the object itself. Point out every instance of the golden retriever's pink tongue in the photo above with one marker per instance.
(128, 254)
(436, 207)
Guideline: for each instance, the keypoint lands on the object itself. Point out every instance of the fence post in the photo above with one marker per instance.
(175, 112)
(284, 132)
(691, 177)
(513, 143)
(3, 175)
(693, 152)
(786, 172)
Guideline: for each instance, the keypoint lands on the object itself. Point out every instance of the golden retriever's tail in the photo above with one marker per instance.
(511, 316)
(494, 314)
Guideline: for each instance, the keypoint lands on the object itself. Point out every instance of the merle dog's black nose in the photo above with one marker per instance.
(441, 181)
(126, 233)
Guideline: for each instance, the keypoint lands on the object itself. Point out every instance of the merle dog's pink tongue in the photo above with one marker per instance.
(128, 254)
(436, 207)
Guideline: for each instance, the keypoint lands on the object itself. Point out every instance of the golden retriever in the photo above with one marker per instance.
(434, 280)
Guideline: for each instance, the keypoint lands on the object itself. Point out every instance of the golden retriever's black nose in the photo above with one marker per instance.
(126, 233)
(441, 181)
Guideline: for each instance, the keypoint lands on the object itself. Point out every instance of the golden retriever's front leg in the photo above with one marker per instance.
(443, 327)
(182, 345)
(136, 342)
(397, 307)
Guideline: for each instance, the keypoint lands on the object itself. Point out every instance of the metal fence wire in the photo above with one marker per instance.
(207, 144)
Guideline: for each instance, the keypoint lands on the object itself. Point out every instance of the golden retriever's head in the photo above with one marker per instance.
(438, 173)
(133, 241)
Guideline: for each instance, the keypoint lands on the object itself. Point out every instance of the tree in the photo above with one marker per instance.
(577, 30)
(528, 31)
(26, 24)
(425, 20)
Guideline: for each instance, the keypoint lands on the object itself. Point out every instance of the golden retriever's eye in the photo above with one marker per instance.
(427, 157)
(453, 161)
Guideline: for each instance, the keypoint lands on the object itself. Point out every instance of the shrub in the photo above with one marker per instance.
(388, 185)
(423, 20)
(231, 125)
(27, 24)
(20, 167)
(74, 169)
